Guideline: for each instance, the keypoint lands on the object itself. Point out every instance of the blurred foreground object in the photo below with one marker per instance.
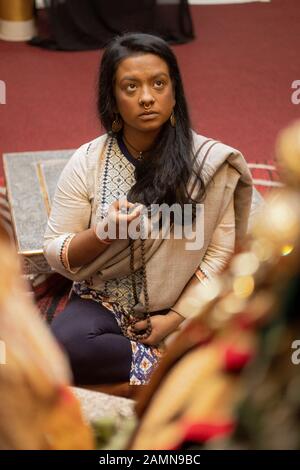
(231, 379)
(37, 408)
(17, 20)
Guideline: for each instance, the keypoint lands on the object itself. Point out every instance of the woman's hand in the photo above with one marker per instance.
(115, 225)
(162, 326)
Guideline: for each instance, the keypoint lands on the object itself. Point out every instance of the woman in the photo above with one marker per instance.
(127, 295)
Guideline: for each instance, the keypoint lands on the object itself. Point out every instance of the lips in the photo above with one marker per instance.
(148, 113)
(148, 116)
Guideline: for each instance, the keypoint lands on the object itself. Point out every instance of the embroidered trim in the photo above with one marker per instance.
(115, 179)
(117, 174)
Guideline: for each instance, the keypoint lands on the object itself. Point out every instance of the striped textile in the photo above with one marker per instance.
(5, 216)
(265, 176)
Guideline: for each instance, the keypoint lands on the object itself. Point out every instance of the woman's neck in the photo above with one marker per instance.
(138, 142)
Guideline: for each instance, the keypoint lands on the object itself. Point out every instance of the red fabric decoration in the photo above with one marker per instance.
(204, 431)
(235, 360)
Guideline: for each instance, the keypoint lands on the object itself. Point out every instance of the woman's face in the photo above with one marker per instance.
(144, 92)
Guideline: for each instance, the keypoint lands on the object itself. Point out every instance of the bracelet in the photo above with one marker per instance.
(180, 315)
(105, 242)
(64, 251)
(204, 273)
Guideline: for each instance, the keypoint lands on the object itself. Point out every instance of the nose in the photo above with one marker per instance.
(146, 98)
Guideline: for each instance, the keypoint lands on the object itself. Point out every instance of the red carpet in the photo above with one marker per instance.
(237, 74)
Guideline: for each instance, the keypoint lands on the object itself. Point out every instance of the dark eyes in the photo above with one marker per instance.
(131, 87)
(157, 84)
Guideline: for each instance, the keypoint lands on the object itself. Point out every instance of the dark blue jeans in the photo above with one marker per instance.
(98, 351)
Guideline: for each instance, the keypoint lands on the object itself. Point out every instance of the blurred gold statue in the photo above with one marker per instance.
(37, 408)
(230, 369)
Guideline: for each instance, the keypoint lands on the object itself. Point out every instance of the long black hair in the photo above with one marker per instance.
(163, 173)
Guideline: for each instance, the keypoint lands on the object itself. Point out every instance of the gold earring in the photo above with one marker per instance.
(117, 124)
(173, 119)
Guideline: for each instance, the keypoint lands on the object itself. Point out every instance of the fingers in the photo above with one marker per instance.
(122, 203)
(133, 329)
(135, 213)
(140, 325)
(123, 212)
(150, 341)
(123, 218)
(147, 341)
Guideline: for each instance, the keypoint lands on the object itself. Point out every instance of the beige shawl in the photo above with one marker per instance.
(169, 264)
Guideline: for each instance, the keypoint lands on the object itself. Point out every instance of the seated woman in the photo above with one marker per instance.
(129, 293)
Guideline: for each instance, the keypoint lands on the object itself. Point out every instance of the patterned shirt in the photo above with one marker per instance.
(117, 295)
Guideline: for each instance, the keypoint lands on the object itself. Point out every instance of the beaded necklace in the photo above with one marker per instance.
(140, 157)
(130, 318)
